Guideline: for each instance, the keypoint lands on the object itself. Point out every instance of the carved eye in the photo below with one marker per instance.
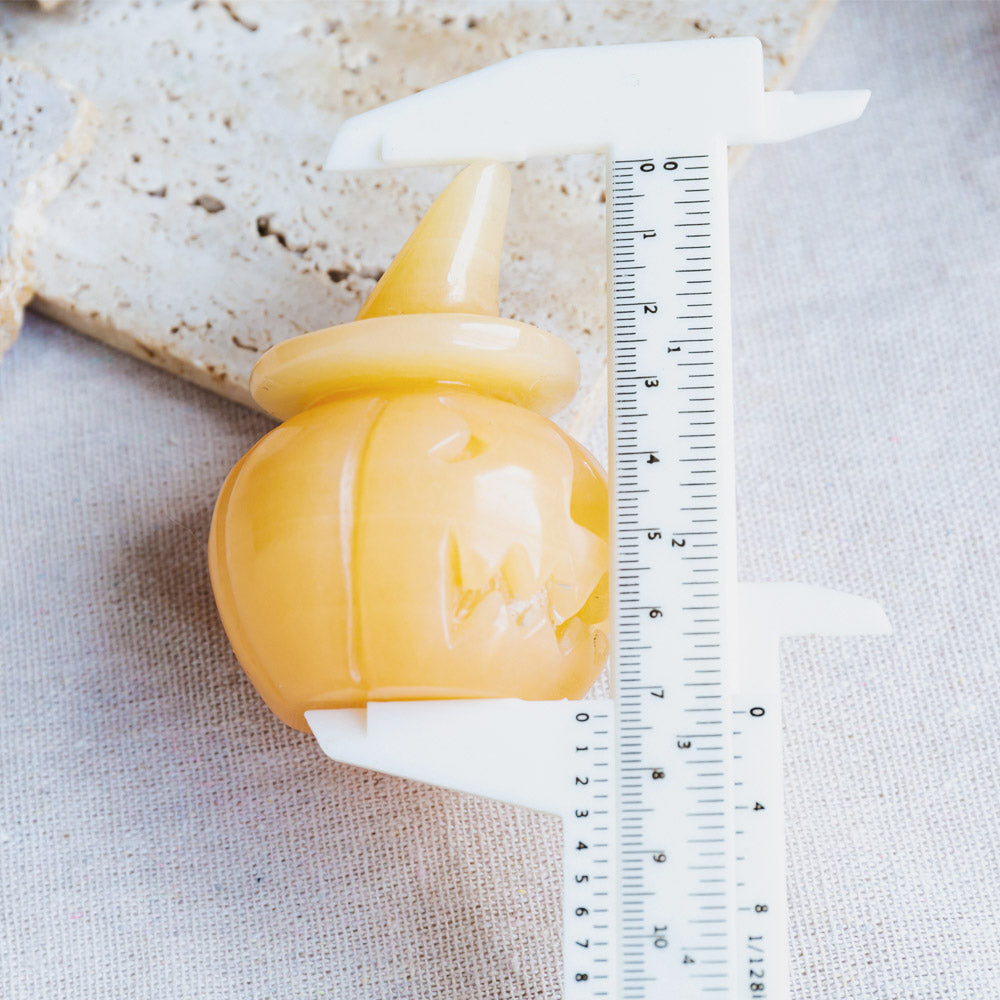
(459, 447)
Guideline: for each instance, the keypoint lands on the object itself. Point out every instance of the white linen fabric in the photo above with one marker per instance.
(162, 835)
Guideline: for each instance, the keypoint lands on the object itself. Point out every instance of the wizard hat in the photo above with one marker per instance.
(433, 317)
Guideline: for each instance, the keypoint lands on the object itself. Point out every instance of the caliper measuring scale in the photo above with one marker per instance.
(669, 791)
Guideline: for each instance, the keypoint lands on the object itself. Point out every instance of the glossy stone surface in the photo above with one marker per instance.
(415, 529)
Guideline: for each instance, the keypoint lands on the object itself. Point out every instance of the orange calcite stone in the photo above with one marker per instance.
(416, 528)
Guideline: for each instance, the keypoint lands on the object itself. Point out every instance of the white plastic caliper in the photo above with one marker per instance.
(670, 792)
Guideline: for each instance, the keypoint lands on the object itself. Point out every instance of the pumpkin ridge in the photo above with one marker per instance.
(356, 664)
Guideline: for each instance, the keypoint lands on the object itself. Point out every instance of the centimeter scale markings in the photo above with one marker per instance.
(674, 514)
(652, 895)
(673, 836)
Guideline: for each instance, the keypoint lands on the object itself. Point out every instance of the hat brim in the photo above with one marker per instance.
(500, 357)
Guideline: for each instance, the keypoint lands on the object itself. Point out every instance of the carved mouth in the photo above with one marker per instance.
(513, 598)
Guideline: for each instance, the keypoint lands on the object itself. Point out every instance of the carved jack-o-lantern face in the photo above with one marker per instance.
(424, 545)
(415, 539)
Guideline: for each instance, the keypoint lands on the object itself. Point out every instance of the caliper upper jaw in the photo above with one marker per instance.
(589, 99)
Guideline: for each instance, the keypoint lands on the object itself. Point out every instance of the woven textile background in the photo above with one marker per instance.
(163, 836)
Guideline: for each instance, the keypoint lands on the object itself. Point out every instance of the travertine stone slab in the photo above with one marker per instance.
(44, 130)
(203, 230)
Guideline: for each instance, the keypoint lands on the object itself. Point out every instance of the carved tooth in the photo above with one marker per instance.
(570, 635)
(519, 574)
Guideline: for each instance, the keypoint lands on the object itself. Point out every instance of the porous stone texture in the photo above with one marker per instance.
(44, 129)
(203, 229)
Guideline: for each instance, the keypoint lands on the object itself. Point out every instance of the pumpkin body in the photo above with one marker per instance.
(398, 544)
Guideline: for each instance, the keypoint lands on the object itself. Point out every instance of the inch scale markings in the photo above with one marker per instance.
(674, 515)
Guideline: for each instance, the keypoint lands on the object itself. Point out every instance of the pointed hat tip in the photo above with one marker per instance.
(451, 262)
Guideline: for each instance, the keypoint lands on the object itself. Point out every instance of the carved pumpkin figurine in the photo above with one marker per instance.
(417, 528)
